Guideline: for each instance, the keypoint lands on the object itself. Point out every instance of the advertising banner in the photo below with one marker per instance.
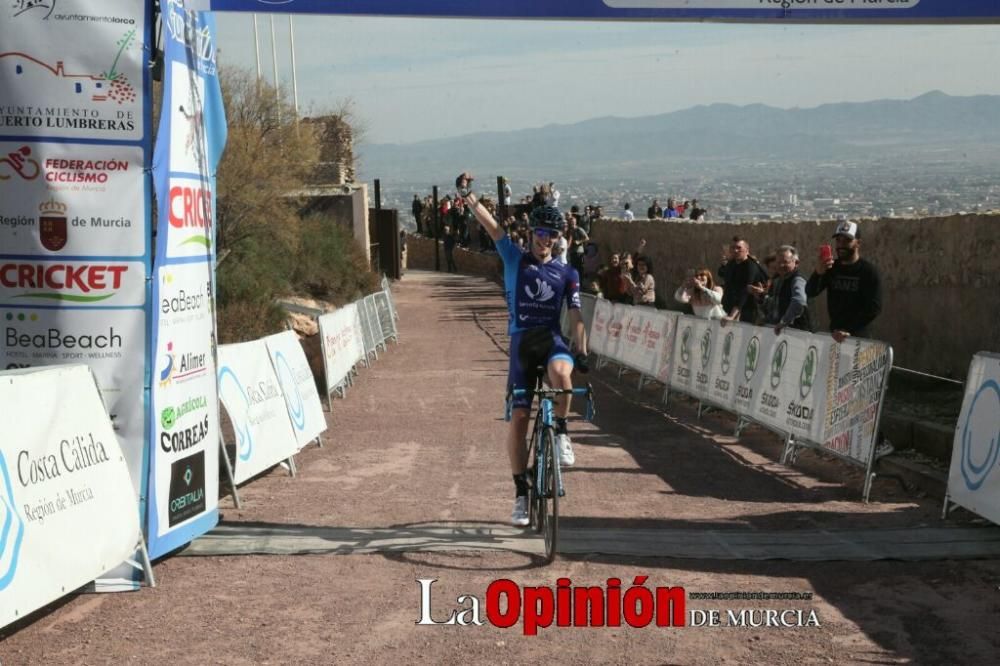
(974, 476)
(298, 385)
(891, 11)
(342, 345)
(75, 203)
(184, 396)
(68, 509)
(598, 342)
(683, 355)
(665, 326)
(638, 347)
(724, 367)
(252, 396)
(791, 394)
(613, 347)
(857, 373)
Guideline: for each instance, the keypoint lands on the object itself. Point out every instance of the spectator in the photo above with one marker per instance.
(643, 286)
(671, 209)
(628, 215)
(612, 281)
(417, 207)
(506, 192)
(699, 290)
(854, 289)
(591, 261)
(449, 249)
(654, 211)
(577, 238)
(682, 209)
(560, 249)
(739, 271)
(552, 195)
(402, 248)
(784, 302)
(697, 212)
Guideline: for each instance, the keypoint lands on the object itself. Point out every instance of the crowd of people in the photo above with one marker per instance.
(770, 292)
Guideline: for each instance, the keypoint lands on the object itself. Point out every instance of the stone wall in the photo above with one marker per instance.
(941, 276)
(420, 256)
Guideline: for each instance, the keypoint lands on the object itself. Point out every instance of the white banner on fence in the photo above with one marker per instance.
(298, 385)
(665, 323)
(68, 511)
(250, 392)
(857, 373)
(342, 343)
(598, 340)
(791, 393)
(974, 477)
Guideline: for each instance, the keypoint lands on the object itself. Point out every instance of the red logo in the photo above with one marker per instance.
(52, 226)
(20, 163)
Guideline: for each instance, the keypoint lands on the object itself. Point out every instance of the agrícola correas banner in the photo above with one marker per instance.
(184, 430)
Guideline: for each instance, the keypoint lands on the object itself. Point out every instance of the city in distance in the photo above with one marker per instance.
(932, 155)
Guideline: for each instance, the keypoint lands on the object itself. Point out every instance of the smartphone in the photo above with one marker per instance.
(825, 252)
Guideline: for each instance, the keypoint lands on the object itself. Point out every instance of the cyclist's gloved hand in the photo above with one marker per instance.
(463, 183)
(581, 364)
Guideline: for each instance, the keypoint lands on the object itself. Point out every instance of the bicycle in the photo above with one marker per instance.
(545, 485)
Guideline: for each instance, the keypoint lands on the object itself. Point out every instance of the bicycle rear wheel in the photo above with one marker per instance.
(550, 493)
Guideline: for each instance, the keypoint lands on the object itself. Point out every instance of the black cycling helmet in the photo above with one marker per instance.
(548, 217)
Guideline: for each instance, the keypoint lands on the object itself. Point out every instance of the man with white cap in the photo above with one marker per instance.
(852, 284)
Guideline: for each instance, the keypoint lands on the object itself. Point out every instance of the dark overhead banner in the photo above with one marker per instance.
(806, 11)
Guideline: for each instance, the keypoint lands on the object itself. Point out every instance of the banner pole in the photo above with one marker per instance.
(870, 470)
(229, 470)
(147, 566)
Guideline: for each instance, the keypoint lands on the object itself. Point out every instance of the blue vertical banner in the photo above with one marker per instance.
(76, 204)
(184, 424)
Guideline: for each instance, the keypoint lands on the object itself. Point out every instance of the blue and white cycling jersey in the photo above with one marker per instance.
(535, 292)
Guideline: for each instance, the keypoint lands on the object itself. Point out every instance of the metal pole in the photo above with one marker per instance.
(437, 225)
(256, 46)
(274, 63)
(378, 194)
(295, 81)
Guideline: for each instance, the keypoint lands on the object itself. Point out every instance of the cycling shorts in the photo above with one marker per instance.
(528, 350)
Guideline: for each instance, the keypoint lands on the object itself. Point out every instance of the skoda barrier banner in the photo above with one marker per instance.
(252, 396)
(68, 510)
(342, 344)
(893, 11)
(298, 385)
(75, 204)
(974, 477)
(184, 468)
(790, 396)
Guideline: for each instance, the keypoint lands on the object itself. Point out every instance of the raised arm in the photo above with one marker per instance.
(486, 221)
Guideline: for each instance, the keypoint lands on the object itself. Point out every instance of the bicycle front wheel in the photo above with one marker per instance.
(550, 491)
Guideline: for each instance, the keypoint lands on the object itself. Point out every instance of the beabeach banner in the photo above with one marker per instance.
(298, 386)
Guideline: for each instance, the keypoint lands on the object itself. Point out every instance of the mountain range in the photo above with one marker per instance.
(932, 126)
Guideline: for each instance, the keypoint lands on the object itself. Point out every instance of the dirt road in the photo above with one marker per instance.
(418, 443)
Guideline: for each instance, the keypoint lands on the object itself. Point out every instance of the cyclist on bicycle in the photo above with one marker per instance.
(536, 288)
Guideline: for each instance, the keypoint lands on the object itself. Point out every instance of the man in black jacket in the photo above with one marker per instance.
(854, 289)
(417, 207)
(739, 272)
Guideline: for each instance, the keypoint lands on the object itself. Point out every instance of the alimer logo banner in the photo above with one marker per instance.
(893, 11)
(184, 394)
(298, 386)
(68, 510)
(974, 477)
(75, 202)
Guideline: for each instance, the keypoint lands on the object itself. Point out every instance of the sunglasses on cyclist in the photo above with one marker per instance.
(542, 232)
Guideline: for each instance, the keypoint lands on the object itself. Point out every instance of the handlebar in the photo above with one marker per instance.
(551, 393)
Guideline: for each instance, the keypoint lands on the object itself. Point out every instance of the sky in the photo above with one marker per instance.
(417, 79)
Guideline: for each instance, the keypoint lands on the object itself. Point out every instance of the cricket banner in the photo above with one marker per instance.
(974, 476)
(75, 204)
(68, 509)
(251, 394)
(297, 385)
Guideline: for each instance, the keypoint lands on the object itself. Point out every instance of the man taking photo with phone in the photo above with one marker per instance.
(852, 284)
